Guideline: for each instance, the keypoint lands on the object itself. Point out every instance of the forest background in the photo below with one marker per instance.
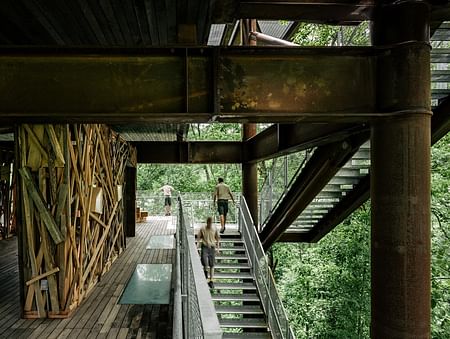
(325, 286)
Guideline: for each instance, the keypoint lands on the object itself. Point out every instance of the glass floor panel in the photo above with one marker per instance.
(149, 284)
(161, 242)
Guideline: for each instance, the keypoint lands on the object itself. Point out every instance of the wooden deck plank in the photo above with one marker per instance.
(99, 315)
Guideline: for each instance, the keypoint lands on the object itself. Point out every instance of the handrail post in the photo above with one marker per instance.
(271, 303)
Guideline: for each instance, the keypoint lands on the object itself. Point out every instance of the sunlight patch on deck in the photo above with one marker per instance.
(149, 284)
(160, 242)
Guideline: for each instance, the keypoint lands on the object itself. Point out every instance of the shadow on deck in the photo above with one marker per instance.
(100, 315)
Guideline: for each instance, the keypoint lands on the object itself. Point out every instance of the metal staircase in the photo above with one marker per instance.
(244, 294)
(235, 295)
(349, 187)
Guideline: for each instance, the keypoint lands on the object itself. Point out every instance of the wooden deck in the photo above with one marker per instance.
(99, 316)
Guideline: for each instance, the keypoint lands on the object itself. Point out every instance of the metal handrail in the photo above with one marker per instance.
(273, 307)
(198, 318)
(201, 205)
(273, 191)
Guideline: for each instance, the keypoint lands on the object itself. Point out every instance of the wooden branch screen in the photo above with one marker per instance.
(72, 177)
(7, 201)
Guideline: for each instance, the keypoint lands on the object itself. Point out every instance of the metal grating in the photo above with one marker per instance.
(440, 60)
(152, 132)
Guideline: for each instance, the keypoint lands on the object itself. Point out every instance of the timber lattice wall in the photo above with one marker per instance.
(7, 200)
(72, 179)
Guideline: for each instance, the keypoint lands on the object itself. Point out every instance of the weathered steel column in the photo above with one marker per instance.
(130, 201)
(250, 170)
(250, 177)
(400, 175)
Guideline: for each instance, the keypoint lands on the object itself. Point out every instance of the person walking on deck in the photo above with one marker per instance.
(222, 194)
(209, 239)
(167, 190)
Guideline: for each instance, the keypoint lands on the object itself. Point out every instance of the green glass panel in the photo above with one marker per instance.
(149, 284)
(160, 242)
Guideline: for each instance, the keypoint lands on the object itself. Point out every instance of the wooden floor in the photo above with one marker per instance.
(99, 316)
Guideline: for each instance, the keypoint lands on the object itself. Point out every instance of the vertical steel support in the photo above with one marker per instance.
(250, 171)
(130, 201)
(400, 175)
(250, 177)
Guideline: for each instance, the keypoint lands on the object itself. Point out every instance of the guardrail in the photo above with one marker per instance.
(198, 204)
(194, 312)
(273, 307)
(279, 179)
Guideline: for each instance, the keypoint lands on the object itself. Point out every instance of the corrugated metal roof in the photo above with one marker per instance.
(276, 28)
(153, 132)
(216, 34)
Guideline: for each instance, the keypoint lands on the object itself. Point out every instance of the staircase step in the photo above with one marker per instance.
(221, 265)
(243, 323)
(231, 257)
(234, 297)
(231, 241)
(230, 234)
(247, 335)
(239, 309)
(230, 275)
(233, 249)
(231, 286)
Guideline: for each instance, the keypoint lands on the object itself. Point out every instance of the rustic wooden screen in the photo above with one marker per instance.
(72, 179)
(7, 221)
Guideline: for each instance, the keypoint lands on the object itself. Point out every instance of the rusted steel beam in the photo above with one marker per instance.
(182, 85)
(282, 139)
(189, 152)
(289, 236)
(250, 177)
(440, 126)
(324, 164)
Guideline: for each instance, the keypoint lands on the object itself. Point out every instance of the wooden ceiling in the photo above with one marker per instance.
(141, 23)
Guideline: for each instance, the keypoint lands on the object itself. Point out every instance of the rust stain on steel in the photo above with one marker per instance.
(300, 84)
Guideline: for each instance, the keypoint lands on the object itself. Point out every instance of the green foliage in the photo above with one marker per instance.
(326, 35)
(195, 178)
(326, 286)
(440, 263)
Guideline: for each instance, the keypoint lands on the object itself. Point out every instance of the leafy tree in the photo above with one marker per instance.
(440, 263)
(326, 286)
(326, 35)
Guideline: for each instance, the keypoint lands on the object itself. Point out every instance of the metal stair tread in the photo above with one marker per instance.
(248, 335)
(237, 249)
(234, 297)
(235, 286)
(230, 240)
(239, 309)
(243, 323)
(231, 275)
(222, 265)
(231, 257)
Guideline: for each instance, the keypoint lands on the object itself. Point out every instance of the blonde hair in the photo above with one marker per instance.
(208, 222)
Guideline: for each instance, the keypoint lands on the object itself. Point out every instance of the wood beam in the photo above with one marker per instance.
(180, 85)
(192, 152)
